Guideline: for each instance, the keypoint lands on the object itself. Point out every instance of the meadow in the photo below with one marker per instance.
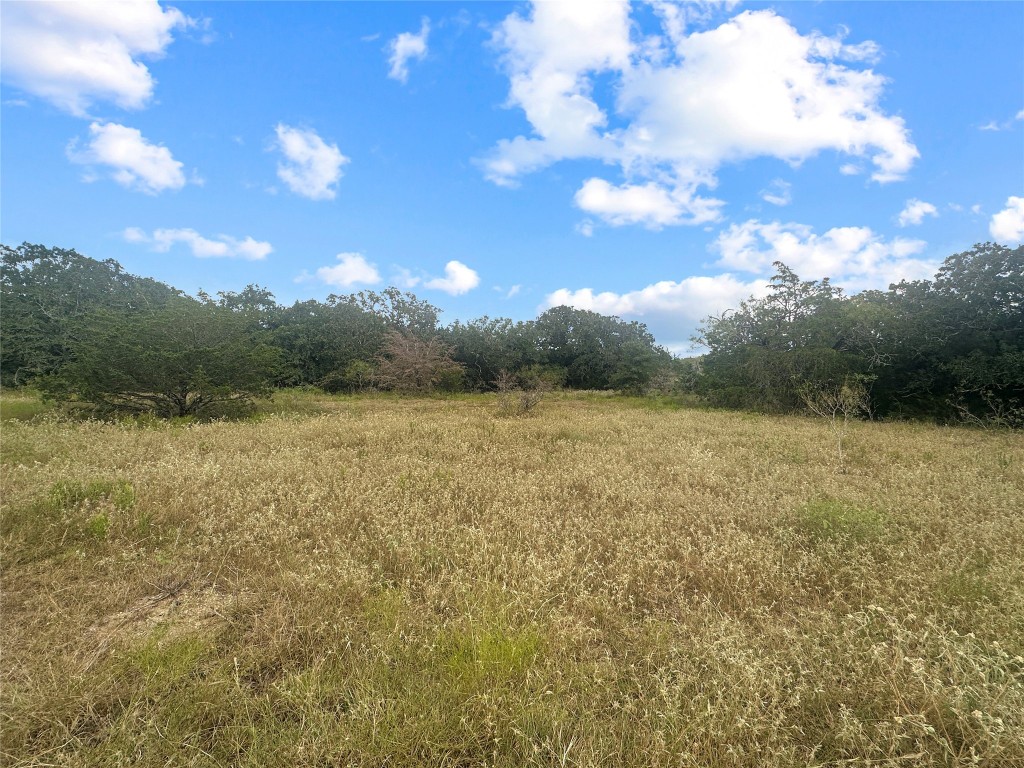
(384, 581)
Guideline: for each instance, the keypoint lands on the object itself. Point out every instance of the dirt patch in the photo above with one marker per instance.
(179, 608)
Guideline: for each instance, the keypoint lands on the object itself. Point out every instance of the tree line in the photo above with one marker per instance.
(86, 330)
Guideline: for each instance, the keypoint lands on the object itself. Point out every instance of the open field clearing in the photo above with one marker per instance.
(417, 582)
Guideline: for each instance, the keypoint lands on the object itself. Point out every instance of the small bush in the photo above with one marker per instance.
(518, 398)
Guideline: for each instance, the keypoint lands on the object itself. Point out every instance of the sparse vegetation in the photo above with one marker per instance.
(838, 405)
(518, 398)
(371, 580)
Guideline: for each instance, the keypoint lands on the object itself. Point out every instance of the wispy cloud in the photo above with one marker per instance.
(219, 246)
(405, 47)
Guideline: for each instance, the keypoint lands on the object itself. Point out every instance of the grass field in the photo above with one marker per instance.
(611, 582)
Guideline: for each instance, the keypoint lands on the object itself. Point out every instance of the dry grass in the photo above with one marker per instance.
(373, 581)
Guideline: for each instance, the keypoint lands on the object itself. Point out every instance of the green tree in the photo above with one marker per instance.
(399, 311)
(486, 346)
(186, 358)
(764, 353)
(46, 292)
(320, 341)
(598, 351)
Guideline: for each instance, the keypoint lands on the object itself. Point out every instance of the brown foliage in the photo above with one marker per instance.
(414, 365)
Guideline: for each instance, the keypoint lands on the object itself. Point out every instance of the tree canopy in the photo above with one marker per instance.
(949, 349)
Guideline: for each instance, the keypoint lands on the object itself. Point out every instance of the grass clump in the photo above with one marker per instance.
(839, 521)
(66, 495)
(72, 513)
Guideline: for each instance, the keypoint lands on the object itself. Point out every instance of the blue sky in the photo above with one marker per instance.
(647, 160)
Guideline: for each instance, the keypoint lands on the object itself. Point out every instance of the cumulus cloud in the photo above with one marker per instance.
(752, 87)
(353, 269)
(550, 58)
(74, 54)
(779, 193)
(407, 46)
(311, 167)
(650, 204)
(1007, 226)
(915, 211)
(458, 279)
(671, 309)
(854, 257)
(220, 246)
(132, 161)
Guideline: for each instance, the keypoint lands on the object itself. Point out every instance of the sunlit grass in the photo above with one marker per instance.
(376, 580)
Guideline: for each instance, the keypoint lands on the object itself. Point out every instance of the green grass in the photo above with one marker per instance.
(22, 405)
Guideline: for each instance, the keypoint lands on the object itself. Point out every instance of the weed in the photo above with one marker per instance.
(98, 526)
(833, 520)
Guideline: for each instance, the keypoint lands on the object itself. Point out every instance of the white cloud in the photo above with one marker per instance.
(915, 211)
(221, 246)
(135, 235)
(649, 204)
(752, 87)
(854, 257)
(513, 291)
(134, 162)
(1005, 125)
(585, 228)
(550, 57)
(73, 54)
(672, 310)
(458, 279)
(976, 208)
(404, 278)
(779, 193)
(406, 46)
(353, 269)
(311, 167)
(1007, 226)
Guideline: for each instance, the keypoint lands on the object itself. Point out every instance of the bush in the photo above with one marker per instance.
(516, 397)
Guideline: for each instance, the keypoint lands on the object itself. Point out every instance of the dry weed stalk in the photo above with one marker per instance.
(516, 398)
(838, 406)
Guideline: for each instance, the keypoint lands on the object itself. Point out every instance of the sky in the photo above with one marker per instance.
(649, 160)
